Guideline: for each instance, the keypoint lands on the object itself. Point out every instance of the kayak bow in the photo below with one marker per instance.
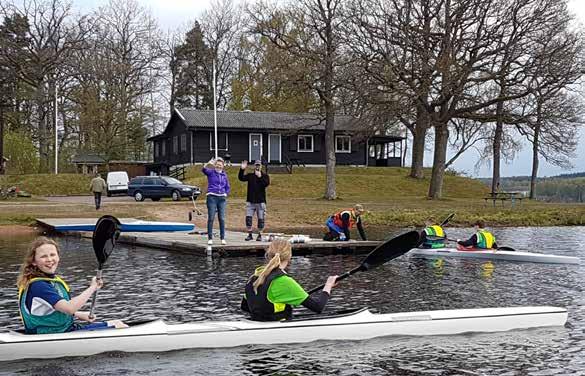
(493, 255)
(158, 336)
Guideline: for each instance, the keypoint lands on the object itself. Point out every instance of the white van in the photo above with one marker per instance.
(117, 182)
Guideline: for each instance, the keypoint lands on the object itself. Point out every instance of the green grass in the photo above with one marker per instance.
(353, 184)
(388, 194)
(49, 184)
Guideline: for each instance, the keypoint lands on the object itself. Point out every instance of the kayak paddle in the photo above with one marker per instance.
(105, 234)
(383, 253)
(446, 220)
(497, 249)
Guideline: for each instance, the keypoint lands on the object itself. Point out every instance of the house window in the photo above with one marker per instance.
(183, 142)
(372, 151)
(305, 143)
(222, 141)
(156, 149)
(164, 147)
(342, 144)
(175, 145)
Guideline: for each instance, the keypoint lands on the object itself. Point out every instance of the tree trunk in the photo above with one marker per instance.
(497, 155)
(330, 191)
(2, 139)
(439, 159)
(535, 146)
(418, 143)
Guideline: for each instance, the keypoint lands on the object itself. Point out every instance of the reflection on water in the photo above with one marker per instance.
(144, 283)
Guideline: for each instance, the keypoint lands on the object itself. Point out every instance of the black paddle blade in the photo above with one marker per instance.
(105, 234)
(391, 249)
(446, 220)
(383, 253)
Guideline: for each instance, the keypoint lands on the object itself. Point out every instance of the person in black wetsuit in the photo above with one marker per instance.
(271, 293)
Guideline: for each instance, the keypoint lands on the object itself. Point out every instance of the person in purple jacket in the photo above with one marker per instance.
(218, 188)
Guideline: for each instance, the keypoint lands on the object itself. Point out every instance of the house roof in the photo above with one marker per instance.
(263, 120)
(87, 158)
(245, 120)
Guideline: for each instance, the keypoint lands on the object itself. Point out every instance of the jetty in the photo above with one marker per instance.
(195, 242)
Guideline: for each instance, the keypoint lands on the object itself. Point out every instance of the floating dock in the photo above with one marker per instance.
(196, 243)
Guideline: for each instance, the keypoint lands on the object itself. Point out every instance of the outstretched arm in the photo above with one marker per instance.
(360, 228)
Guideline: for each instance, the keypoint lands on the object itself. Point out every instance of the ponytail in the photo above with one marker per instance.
(279, 249)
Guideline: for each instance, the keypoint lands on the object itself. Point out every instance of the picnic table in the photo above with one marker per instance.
(504, 196)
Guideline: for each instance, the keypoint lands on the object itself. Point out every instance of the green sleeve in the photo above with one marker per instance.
(286, 290)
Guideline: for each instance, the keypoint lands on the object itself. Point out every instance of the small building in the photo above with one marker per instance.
(90, 163)
(274, 137)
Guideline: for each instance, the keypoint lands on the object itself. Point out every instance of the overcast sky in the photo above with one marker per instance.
(172, 13)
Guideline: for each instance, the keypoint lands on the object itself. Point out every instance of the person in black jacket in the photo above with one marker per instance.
(255, 197)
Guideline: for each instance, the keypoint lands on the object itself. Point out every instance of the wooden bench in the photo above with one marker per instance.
(503, 197)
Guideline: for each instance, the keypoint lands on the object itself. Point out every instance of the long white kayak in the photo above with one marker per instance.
(158, 336)
(493, 254)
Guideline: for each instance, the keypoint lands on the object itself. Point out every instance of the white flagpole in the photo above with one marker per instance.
(56, 134)
(214, 110)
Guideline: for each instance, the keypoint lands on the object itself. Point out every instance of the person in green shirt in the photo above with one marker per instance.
(271, 293)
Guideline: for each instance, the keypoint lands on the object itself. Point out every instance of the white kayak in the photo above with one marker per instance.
(158, 336)
(493, 254)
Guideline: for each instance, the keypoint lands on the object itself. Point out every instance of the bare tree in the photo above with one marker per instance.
(310, 31)
(222, 26)
(553, 112)
(53, 34)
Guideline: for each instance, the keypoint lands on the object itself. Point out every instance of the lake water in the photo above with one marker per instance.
(144, 284)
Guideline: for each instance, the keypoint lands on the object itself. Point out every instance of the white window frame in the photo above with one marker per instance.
(212, 146)
(340, 137)
(183, 143)
(279, 146)
(175, 145)
(250, 145)
(299, 143)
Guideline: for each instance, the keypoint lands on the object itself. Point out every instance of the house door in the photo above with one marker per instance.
(255, 147)
(274, 148)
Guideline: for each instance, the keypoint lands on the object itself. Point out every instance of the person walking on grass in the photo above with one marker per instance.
(97, 187)
(255, 197)
(218, 188)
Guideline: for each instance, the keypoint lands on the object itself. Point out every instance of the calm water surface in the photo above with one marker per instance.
(145, 284)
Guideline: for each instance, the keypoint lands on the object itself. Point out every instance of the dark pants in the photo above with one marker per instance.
(216, 204)
(98, 199)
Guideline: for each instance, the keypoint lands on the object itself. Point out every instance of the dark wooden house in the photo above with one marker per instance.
(276, 138)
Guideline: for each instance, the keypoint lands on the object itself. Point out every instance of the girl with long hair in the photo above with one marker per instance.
(271, 293)
(44, 298)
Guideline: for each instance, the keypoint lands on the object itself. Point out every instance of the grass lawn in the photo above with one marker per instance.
(295, 201)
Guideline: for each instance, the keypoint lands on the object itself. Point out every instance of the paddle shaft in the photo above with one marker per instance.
(498, 249)
(94, 297)
(339, 278)
(446, 220)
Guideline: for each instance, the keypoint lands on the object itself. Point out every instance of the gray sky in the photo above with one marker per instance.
(172, 13)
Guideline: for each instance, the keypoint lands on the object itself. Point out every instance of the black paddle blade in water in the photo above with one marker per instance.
(391, 249)
(105, 234)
